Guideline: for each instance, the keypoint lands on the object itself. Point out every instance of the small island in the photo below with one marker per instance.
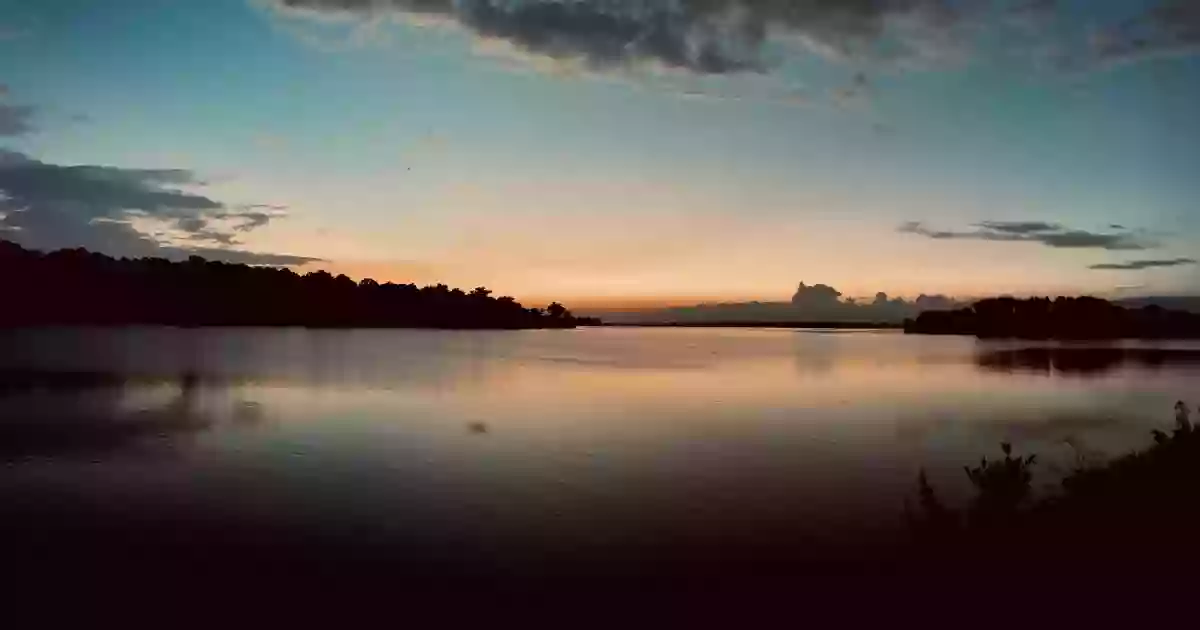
(1060, 318)
(71, 287)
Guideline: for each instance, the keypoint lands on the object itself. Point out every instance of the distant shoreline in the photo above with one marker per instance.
(1062, 318)
(751, 324)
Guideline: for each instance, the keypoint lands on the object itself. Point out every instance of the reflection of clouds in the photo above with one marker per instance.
(814, 354)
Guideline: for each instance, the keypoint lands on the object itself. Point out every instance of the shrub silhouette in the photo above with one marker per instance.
(1155, 491)
(1003, 486)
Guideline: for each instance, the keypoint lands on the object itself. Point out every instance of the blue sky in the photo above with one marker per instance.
(958, 147)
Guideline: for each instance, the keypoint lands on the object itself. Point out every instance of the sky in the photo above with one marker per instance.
(618, 152)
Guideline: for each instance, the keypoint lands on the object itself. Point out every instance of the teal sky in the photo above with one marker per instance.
(907, 146)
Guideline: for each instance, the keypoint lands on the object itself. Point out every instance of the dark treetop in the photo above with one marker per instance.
(1061, 318)
(78, 287)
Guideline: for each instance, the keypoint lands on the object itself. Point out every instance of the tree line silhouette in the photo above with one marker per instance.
(1060, 318)
(78, 287)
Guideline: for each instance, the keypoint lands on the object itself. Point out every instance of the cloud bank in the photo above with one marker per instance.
(1169, 29)
(812, 303)
(124, 212)
(701, 36)
(1048, 234)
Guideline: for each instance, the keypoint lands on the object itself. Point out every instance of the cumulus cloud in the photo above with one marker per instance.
(123, 212)
(811, 303)
(817, 295)
(1048, 234)
(1135, 265)
(702, 36)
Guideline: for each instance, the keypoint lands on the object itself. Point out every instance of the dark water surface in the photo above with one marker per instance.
(504, 453)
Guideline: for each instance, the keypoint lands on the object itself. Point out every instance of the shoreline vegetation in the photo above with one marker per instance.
(1111, 513)
(1062, 318)
(78, 287)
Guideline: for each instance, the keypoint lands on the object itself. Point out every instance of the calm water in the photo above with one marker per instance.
(485, 445)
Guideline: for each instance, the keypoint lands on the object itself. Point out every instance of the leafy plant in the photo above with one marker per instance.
(1003, 485)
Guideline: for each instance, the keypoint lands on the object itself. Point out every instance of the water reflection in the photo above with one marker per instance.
(91, 415)
(596, 439)
(1085, 361)
(372, 358)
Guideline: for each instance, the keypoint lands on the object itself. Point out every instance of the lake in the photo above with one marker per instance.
(499, 453)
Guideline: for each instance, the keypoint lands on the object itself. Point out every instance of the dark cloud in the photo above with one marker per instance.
(726, 36)
(15, 120)
(1020, 227)
(1145, 264)
(1055, 38)
(254, 216)
(1048, 234)
(50, 206)
(1168, 29)
(703, 36)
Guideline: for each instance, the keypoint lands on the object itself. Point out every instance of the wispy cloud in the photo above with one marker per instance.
(1048, 234)
(1135, 265)
(15, 120)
